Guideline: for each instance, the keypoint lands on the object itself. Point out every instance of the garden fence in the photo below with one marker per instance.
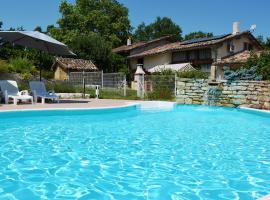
(113, 82)
(160, 84)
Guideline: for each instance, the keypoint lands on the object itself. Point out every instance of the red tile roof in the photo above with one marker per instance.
(236, 58)
(181, 46)
(126, 48)
(77, 64)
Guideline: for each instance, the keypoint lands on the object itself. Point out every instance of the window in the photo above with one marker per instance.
(247, 46)
(230, 47)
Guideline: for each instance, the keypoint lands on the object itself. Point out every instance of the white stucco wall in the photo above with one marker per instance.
(159, 59)
(238, 46)
(152, 61)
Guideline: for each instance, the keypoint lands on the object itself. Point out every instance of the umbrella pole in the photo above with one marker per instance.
(40, 67)
(40, 73)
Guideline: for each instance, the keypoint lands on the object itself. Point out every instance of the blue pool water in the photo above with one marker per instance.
(191, 152)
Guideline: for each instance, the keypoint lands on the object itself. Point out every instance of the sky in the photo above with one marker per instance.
(214, 16)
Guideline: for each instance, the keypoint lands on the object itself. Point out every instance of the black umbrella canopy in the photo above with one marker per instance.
(36, 40)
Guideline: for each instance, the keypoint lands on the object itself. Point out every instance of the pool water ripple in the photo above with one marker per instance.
(190, 152)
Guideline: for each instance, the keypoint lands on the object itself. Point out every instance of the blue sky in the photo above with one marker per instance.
(192, 15)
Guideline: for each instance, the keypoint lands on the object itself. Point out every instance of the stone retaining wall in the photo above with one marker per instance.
(254, 94)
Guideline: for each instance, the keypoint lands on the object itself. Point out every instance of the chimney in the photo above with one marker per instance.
(129, 41)
(236, 28)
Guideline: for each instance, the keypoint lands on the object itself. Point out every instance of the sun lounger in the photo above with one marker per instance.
(10, 90)
(39, 91)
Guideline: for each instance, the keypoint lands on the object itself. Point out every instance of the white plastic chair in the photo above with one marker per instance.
(10, 91)
(39, 91)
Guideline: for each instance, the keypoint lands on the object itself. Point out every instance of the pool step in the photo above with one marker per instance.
(157, 105)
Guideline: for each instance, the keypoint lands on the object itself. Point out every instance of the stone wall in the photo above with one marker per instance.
(254, 94)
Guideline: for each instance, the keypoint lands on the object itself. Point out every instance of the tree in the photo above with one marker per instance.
(1, 24)
(91, 28)
(262, 64)
(38, 28)
(198, 34)
(160, 27)
(267, 43)
(264, 42)
(107, 18)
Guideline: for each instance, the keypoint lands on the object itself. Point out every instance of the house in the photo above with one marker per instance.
(207, 54)
(63, 66)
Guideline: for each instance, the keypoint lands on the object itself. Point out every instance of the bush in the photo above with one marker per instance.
(242, 74)
(26, 76)
(3, 66)
(196, 74)
(262, 63)
(160, 93)
(21, 66)
(165, 72)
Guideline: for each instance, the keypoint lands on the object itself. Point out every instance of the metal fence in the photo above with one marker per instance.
(160, 83)
(114, 82)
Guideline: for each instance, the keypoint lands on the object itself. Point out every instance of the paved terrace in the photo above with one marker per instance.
(69, 104)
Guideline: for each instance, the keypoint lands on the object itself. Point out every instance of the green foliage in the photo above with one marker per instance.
(38, 28)
(111, 94)
(26, 76)
(198, 34)
(160, 93)
(164, 72)
(160, 27)
(107, 18)
(91, 28)
(265, 42)
(241, 74)
(3, 66)
(163, 84)
(196, 74)
(92, 47)
(262, 64)
(42, 59)
(22, 66)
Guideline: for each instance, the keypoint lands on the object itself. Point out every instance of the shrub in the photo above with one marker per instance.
(262, 63)
(47, 74)
(165, 72)
(242, 74)
(197, 74)
(3, 66)
(160, 93)
(21, 65)
(26, 76)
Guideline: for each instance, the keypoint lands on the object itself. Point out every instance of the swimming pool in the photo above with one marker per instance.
(190, 152)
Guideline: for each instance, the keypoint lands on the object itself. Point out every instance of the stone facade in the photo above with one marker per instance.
(254, 94)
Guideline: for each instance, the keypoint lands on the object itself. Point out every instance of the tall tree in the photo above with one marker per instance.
(92, 27)
(265, 42)
(107, 18)
(38, 28)
(198, 34)
(1, 24)
(160, 27)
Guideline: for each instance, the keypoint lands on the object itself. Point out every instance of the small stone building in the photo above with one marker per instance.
(63, 66)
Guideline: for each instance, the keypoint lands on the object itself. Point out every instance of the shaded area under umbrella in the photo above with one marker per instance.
(36, 40)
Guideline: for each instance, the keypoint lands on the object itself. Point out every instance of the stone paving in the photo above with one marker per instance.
(68, 104)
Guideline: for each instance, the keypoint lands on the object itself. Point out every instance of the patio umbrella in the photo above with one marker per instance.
(36, 40)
